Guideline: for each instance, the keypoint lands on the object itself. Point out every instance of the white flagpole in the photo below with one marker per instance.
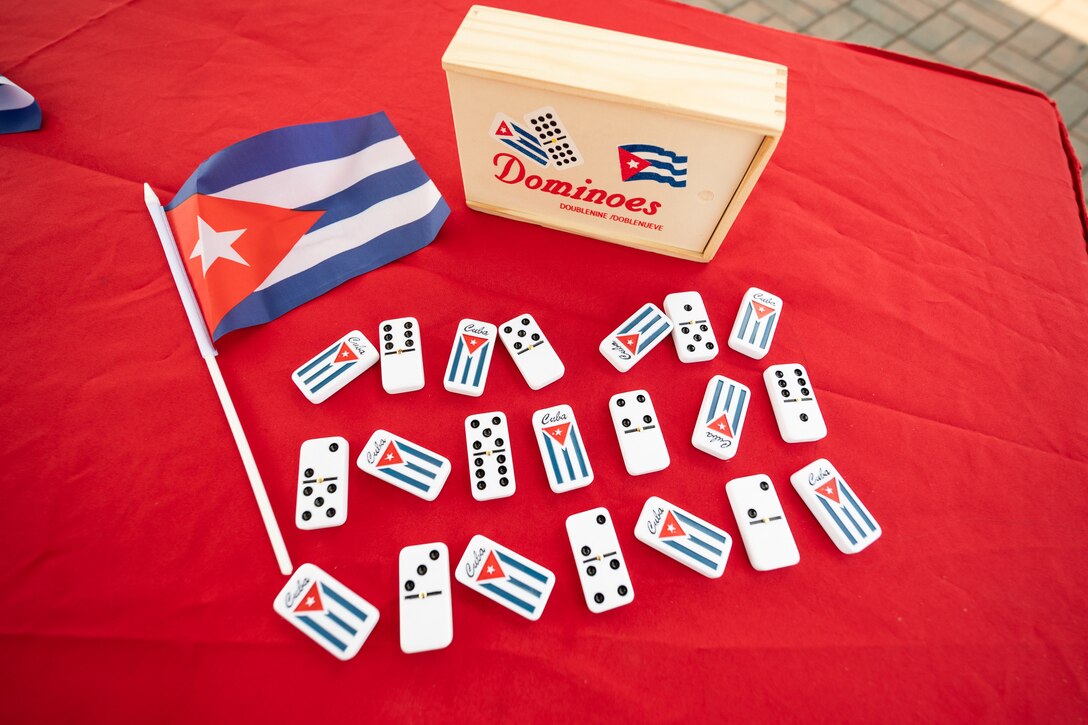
(207, 350)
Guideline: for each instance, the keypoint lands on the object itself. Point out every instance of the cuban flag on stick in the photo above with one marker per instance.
(278, 219)
(644, 162)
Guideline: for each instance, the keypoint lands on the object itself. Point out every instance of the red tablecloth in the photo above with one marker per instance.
(921, 224)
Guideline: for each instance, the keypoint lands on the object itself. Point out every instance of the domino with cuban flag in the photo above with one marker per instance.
(636, 337)
(721, 417)
(335, 366)
(836, 506)
(562, 448)
(683, 536)
(470, 358)
(326, 611)
(756, 323)
(506, 578)
(408, 466)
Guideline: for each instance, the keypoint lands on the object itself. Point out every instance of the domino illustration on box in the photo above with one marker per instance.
(636, 337)
(491, 465)
(721, 417)
(326, 611)
(470, 358)
(683, 536)
(552, 135)
(505, 130)
(408, 466)
(426, 604)
(562, 449)
(836, 506)
(794, 403)
(642, 444)
(691, 333)
(533, 354)
(402, 355)
(763, 529)
(336, 366)
(757, 319)
(506, 578)
(606, 583)
(322, 500)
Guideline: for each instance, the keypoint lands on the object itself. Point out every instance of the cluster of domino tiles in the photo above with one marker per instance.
(499, 573)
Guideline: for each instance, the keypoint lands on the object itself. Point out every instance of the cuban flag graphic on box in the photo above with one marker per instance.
(757, 324)
(646, 162)
(566, 457)
(726, 408)
(845, 510)
(469, 359)
(278, 219)
(694, 541)
(640, 332)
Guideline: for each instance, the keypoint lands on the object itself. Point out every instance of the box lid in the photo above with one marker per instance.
(582, 60)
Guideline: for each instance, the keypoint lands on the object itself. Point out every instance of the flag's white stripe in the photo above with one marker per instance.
(12, 96)
(654, 171)
(660, 157)
(352, 232)
(302, 185)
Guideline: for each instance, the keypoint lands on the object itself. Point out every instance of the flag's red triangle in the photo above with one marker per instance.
(503, 130)
(630, 164)
(721, 425)
(345, 353)
(629, 341)
(558, 433)
(670, 527)
(829, 489)
(473, 342)
(490, 569)
(761, 310)
(390, 456)
(268, 234)
(311, 602)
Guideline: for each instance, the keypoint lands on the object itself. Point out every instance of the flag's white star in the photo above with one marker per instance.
(827, 490)
(633, 164)
(345, 354)
(389, 457)
(212, 245)
(310, 601)
(721, 426)
(671, 528)
(490, 570)
(472, 342)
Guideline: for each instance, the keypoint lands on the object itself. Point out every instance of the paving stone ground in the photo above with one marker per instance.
(1040, 43)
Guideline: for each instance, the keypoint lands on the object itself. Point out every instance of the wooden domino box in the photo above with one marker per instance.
(631, 140)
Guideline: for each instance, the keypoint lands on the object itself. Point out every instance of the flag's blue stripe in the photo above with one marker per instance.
(509, 597)
(534, 154)
(836, 519)
(649, 324)
(738, 411)
(551, 456)
(709, 547)
(323, 633)
(468, 366)
(578, 451)
(342, 624)
(406, 479)
(645, 343)
(342, 369)
(635, 148)
(419, 469)
(714, 401)
(418, 453)
(456, 358)
(635, 320)
(318, 359)
(17, 120)
(666, 166)
(480, 366)
(850, 497)
(284, 148)
(692, 554)
(522, 585)
(744, 322)
(522, 567)
(570, 467)
(699, 527)
(767, 331)
(755, 331)
(339, 599)
(317, 375)
(861, 531)
(643, 176)
(528, 137)
(367, 192)
(268, 304)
